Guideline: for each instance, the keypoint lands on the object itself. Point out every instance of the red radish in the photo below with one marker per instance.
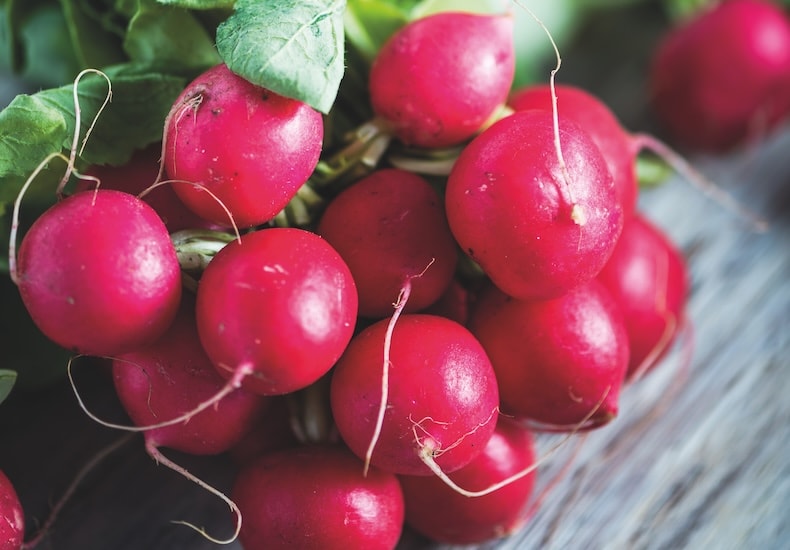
(172, 377)
(442, 395)
(597, 119)
(560, 363)
(316, 497)
(135, 177)
(724, 76)
(453, 303)
(648, 278)
(619, 147)
(390, 228)
(249, 147)
(442, 514)
(276, 309)
(99, 274)
(440, 78)
(537, 223)
(12, 517)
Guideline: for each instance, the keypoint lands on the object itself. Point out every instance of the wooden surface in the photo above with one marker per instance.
(698, 457)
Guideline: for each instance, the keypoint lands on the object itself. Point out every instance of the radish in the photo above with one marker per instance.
(12, 517)
(316, 497)
(723, 76)
(98, 273)
(592, 114)
(620, 147)
(441, 400)
(647, 276)
(559, 363)
(172, 376)
(539, 224)
(453, 303)
(250, 148)
(443, 515)
(136, 177)
(440, 78)
(390, 228)
(276, 309)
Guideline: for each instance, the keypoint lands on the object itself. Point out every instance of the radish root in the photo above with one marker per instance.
(428, 451)
(70, 161)
(399, 305)
(698, 180)
(577, 213)
(230, 386)
(159, 458)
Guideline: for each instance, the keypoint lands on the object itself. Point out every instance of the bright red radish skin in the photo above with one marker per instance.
(99, 274)
(442, 394)
(598, 120)
(390, 228)
(172, 377)
(560, 363)
(12, 517)
(139, 174)
(648, 277)
(443, 515)
(249, 147)
(535, 232)
(282, 303)
(440, 78)
(723, 78)
(316, 497)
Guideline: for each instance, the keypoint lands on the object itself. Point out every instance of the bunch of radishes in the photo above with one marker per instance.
(476, 269)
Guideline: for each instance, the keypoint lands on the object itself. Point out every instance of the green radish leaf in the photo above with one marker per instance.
(35, 126)
(170, 38)
(7, 379)
(291, 47)
(96, 43)
(199, 4)
(369, 23)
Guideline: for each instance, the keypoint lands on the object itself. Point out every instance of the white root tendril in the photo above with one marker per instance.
(428, 452)
(403, 297)
(399, 305)
(159, 182)
(578, 215)
(698, 180)
(70, 161)
(230, 386)
(159, 458)
(77, 122)
(430, 441)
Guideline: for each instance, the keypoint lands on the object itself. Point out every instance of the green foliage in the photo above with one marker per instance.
(292, 47)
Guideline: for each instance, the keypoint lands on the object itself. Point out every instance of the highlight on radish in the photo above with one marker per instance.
(98, 273)
(12, 517)
(317, 497)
